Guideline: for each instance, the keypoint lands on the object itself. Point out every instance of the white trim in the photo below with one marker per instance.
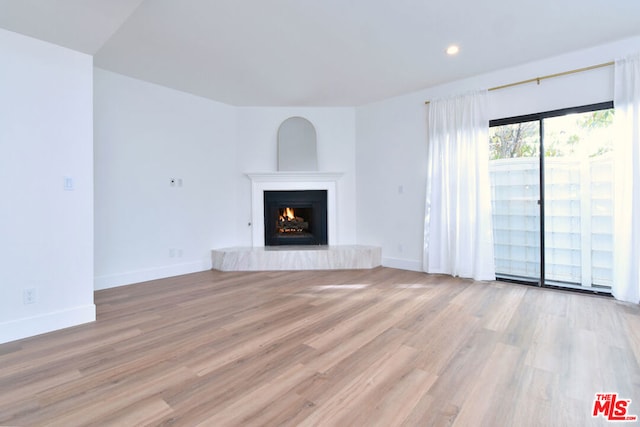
(402, 264)
(280, 181)
(46, 322)
(122, 279)
(294, 176)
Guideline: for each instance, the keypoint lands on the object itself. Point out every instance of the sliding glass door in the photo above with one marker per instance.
(551, 177)
(578, 194)
(515, 186)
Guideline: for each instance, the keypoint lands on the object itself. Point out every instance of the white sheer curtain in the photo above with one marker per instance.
(458, 233)
(626, 269)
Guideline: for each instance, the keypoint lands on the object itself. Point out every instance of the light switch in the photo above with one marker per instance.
(68, 183)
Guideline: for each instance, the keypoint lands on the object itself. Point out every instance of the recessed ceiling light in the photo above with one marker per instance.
(453, 49)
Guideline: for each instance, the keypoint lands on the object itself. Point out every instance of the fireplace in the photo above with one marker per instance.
(295, 217)
(292, 181)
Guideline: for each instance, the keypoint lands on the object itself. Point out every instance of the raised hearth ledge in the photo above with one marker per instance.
(342, 257)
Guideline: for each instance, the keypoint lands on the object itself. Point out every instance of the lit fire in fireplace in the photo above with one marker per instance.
(288, 222)
(287, 214)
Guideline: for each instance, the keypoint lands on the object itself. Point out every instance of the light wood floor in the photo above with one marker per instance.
(347, 348)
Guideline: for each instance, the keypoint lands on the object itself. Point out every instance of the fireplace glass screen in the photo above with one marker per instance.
(295, 217)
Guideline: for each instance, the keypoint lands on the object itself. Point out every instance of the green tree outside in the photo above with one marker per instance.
(564, 136)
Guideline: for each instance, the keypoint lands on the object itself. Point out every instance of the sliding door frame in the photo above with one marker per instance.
(539, 117)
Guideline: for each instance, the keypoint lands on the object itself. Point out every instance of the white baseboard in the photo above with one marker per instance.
(46, 322)
(128, 278)
(402, 264)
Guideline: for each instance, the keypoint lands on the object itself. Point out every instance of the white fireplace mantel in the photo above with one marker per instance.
(281, 181)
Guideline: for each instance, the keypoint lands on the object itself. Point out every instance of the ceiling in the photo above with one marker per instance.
(316, 52)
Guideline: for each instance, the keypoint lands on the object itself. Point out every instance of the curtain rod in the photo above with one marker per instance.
(549, 76)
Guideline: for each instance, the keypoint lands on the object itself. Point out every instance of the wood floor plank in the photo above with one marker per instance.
(334, 373)
(442, 338)
(143, 412)
(253, 402)
(550, 343)
(491, 389)
(504, 308)
(348, 401)
(453, 385)
(378, 347)
(394, 407)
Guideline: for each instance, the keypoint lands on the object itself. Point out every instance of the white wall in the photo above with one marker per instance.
(391, 140)
(146, 135)
(257, 152)
(46, 232)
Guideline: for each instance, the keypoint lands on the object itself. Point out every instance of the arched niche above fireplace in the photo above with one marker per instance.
(297, 145)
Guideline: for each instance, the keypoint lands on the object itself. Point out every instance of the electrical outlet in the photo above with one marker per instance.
(29, 296)
(68, 183)
(172, 253)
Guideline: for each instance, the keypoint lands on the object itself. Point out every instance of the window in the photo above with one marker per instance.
(552, 197)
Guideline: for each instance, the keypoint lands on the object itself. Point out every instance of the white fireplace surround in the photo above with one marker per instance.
(283, 181)
(261, 258)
